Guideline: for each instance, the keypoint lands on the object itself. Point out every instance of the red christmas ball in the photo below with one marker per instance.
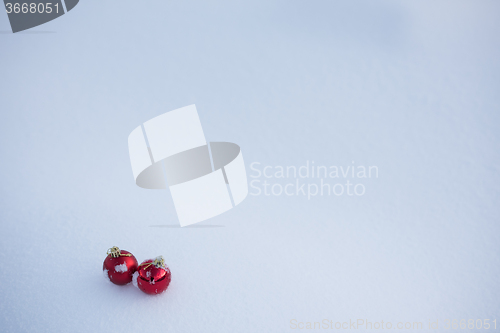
(119, 266)
(154, 276)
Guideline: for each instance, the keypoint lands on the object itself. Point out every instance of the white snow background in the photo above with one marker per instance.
(409, 86)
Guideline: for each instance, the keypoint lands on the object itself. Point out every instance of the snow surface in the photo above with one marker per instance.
(409, 86)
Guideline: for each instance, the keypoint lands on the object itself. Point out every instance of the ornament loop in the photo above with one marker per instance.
(115, 252)
(159, 262)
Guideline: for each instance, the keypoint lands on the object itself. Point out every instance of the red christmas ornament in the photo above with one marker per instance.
(119, 265)
(154, 276)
